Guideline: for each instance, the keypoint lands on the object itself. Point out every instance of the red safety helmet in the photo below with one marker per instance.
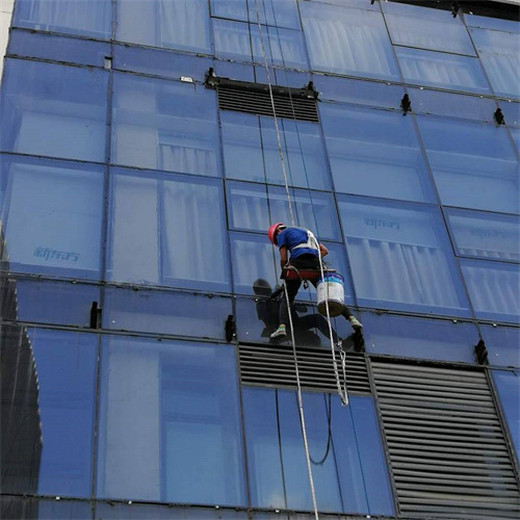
(272, 231)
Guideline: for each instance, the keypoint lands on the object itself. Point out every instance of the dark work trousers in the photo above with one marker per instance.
(301, 262)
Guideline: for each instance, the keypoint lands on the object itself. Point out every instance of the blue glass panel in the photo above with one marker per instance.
(438, 69)
(358, 91)
(47, 429)
(163, 125)
(485, 235)
(352, 475)
(232, 39)
(302, 147)
(474, 165)
(161, 63)
(502, 345)
(312, 209)
(53, 110)
(230, 9)
(515, 132)
(59, 48)
(28, 508)
(352, 3)
(119, 511)
(253, 257)
(233, 70)
(511, 112)
(165, 312)
(52, 217)
(282, 77)
(179, 403)
(247, 206)
(491, 23)
(499, 54)
(348, 41)
(86, 17)
(452, 105)
(493, 289)
(508, 386)
(281, 13)
(167, 230)
(283, 47)
(374, 153)
(404, 336)
(174, 24)
(434, 29)
(48, 302)
(400, 257)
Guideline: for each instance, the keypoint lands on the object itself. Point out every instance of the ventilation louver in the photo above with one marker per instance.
(254, 98)
(447, 449)
(273, 366)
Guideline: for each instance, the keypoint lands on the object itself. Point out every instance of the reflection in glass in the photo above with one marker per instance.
(474, 165)
(438, 69)
(499, 54)
(502, 345)
(419, 338)
(167, 230)
(280, 13)
(347, 458)
(178, 402)
(232, 39)
(85, 17)
(247, 206)
(493, 289)
(52, 217)
(374, 153)
(174, 24)
(166, 312)
(484, 235)
(348, 41)
(53, 110)
(48, 392)
(400, 257)
(164, 125)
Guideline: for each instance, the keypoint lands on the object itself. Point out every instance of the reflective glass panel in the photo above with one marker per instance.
(165, 312)
(280, 13)
(230, 9)
(344, 444)
(452, 105)
(174, 24)
(167, 230)
(160, 62)
(375, 153)
(474, 165)
(400, 257)
(438, 69)
(53, 110)
(85, 17)
(313, 210)
(501, 59)
(48, 392)
(52, 217)
(232, 39)
(485, 235)
(494, 289)
(515, 132)
(508, 386)
(304, 156)
(47, 302)
(511, 112)
(434, 29)
(27, 508)
(404, 336)
(247, 206)
(358, 92)
(178, 402)
(283, 77)
(502, 345)
(59, 48)
(163, 125)
(488, 22)
(348, 41)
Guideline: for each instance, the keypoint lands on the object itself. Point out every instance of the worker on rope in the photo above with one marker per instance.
(299, 248)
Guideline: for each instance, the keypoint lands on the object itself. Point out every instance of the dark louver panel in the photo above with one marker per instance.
(447, 449)
(273, 366)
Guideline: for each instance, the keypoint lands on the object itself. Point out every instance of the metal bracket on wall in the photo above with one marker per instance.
(499, 117)
(230, 328)
(95, 316)
(481, 353)
(406, 104)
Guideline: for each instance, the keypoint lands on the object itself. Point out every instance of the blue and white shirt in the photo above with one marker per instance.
(297, 242)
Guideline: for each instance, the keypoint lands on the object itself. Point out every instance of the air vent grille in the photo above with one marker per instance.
(273, 366)
(447, 449)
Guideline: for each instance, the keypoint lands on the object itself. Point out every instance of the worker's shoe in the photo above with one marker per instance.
(355, 324)
(280, 332)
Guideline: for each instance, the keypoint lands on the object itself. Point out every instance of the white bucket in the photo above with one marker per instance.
(330, 288)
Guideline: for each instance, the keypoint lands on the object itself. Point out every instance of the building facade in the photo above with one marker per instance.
(141, 164)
